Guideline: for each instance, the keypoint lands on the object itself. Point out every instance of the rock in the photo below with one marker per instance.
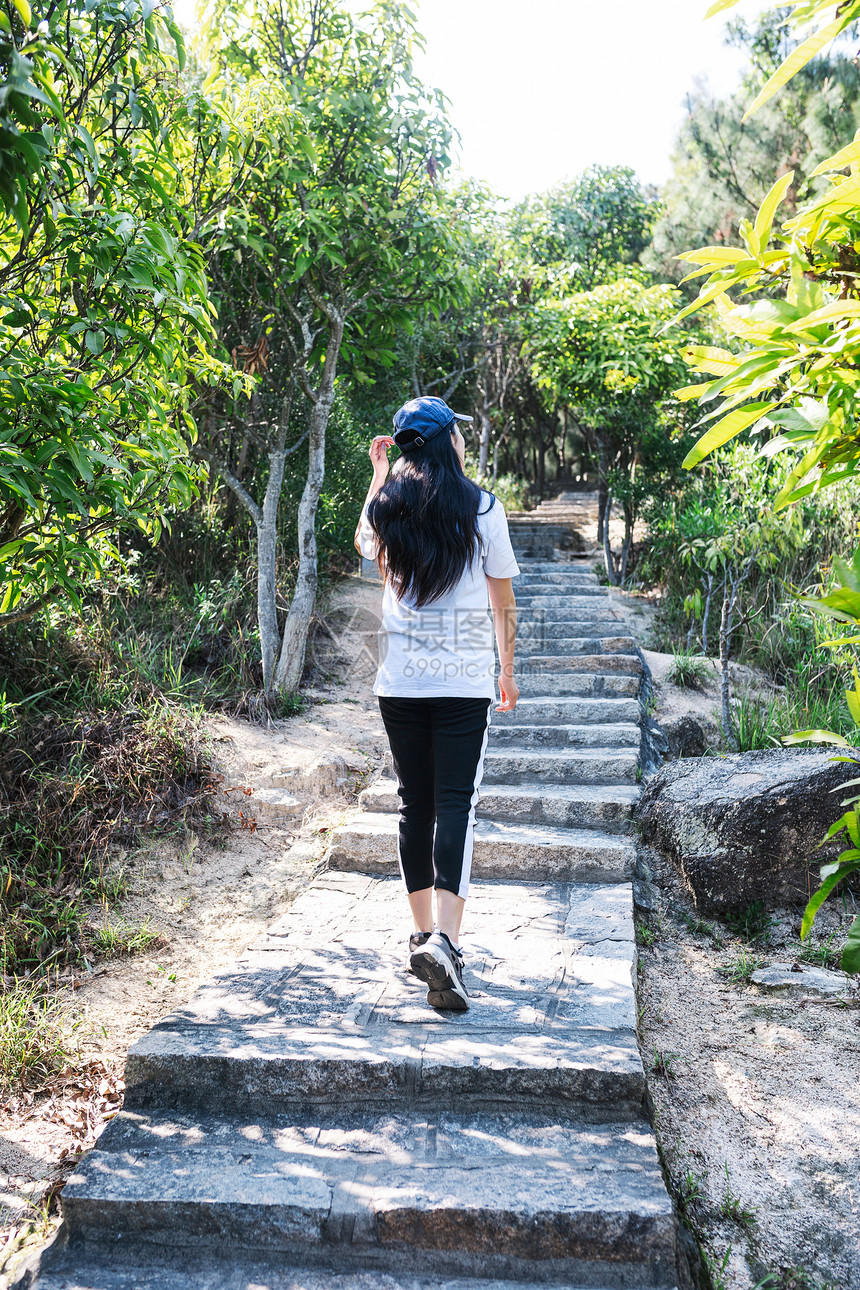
(326, 774)
(745, 827)
(646, 896)
(806, 980)
(271, 805)
(685, 737)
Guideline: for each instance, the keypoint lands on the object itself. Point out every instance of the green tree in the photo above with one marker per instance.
(106, 319)
(343, 235)
(794, 383)
(723, 165)
(587, 231)
(602, 354)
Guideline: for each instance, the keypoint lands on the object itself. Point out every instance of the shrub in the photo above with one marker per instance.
(72, 789)
(35, 1034)
(689, 671)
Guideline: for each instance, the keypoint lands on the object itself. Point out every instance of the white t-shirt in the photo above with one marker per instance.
(446, 648)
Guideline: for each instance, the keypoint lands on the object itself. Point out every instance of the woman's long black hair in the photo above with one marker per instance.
(426, 518)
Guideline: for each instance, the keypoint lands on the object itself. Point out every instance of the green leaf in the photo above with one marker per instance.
(851, 950)
(719, 6)
(815, 903)
(709, 358)
(25, 11)
(847, 156)
(852, 698)
(767, 210)
(714, 255)
(798, 59)
(689, 392)
(726, 429)
(815, 737)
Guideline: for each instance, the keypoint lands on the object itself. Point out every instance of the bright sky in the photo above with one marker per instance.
(540, 89)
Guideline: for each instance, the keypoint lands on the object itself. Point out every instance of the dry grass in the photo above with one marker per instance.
(69, 792)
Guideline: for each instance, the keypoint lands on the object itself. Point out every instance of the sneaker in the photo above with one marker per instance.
(440, 965)
(416, 940)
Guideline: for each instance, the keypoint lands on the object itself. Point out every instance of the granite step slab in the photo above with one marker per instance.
(609, 735)
(543, 626)
(574, 561)
(536, 642)
(544, 684)
(558, 577)
(101, 1265)
(368, 844)
(573, 806)
(563, 596)
(569, 711)
(629, 664)
(597, 611)
(321, 1011)
(520, 765)
(511, 1194)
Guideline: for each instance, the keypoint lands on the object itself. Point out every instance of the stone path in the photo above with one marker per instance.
(306, 1122)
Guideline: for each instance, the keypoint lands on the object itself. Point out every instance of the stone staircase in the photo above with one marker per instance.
(556, 529)
(307, 1122)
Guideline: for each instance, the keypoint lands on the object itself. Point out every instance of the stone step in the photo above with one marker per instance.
(544, 626)
(537, 852)
(572, 712)
(564, 596)
(612, 735)
(592, 806)
(552, 566)
(559, 576)
(321, 1011)
(452, 1194)
(555, 572)
(568, 766)
(626, 664)
(597, 613)
(546, 684)
(96, 1265)
(575, 644)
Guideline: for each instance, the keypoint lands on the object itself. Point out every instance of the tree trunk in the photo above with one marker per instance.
(725, 684)
(706, 611)
(608, 560)
(602, 491)
(628, 540)
(731, 593)
(484, 444)
(291, 662)
(267, 550)
(691, 631)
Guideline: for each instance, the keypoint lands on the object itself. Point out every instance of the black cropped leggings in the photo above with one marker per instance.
(438, 747)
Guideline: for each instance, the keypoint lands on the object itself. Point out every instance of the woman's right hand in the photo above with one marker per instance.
(510, 692)
(379, 454)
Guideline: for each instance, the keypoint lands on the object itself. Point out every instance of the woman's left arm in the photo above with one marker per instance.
(504, 608)
(379, 456)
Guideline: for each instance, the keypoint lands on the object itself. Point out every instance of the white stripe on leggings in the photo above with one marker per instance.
(469, 846)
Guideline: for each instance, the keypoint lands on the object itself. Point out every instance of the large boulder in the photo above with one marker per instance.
(746, 827)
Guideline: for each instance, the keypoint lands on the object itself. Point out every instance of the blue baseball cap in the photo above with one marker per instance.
(421, 418)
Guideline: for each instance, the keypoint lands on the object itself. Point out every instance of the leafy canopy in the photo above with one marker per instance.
(105, 317)
(795, 377)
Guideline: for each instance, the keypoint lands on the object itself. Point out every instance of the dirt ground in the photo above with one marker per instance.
(756, 1096)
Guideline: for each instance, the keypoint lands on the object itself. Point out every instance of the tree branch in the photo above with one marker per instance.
(205, 454)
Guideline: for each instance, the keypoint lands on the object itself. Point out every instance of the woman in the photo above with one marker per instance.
(444, 552)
